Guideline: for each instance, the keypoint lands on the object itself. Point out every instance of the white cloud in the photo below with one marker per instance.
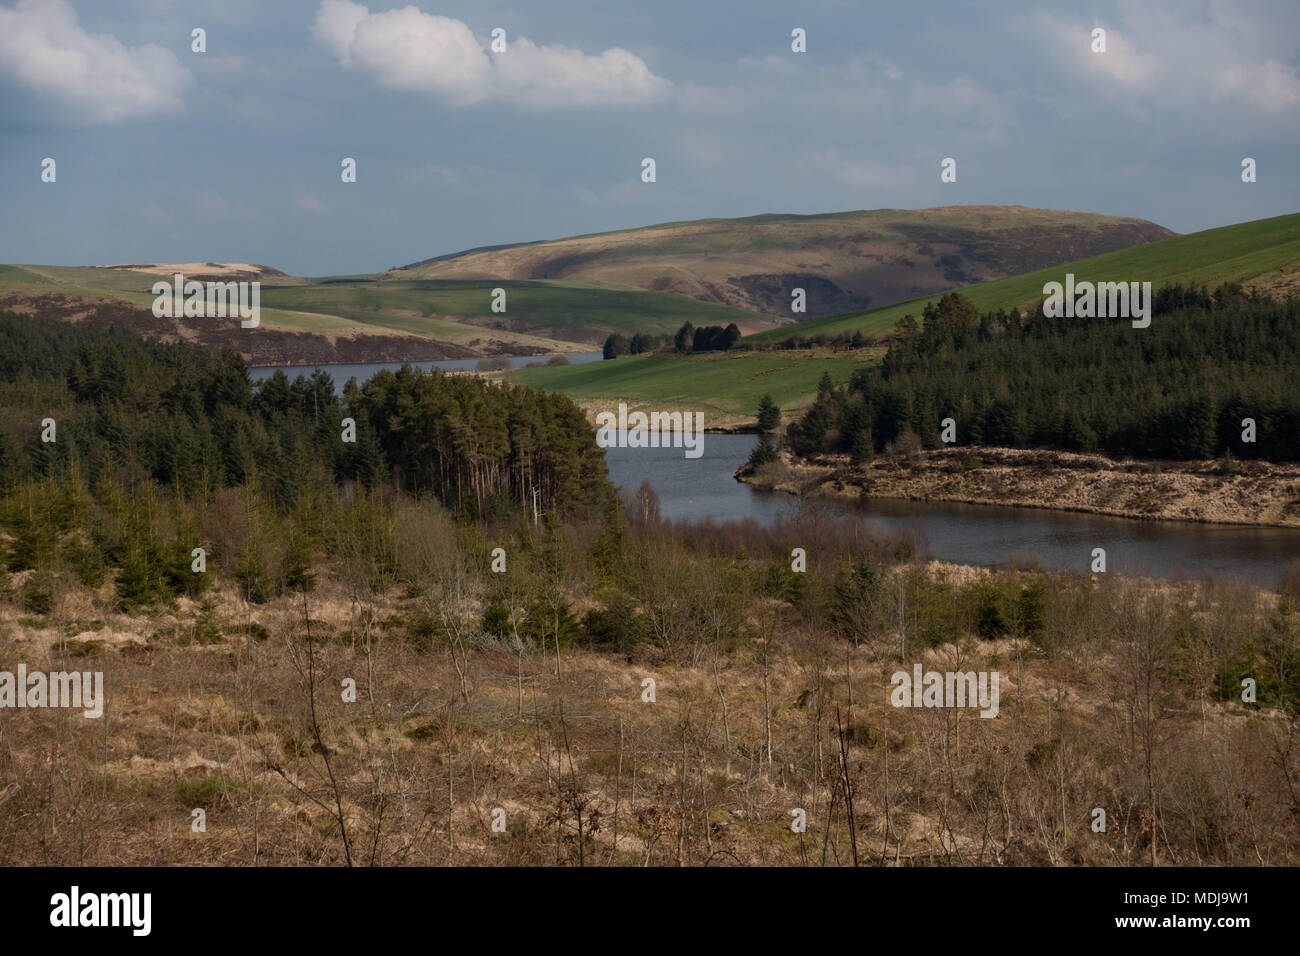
(1191, 56)
(408, 49)
(89, 77)
(544, 76)
(1071, 43)
(1270, 86)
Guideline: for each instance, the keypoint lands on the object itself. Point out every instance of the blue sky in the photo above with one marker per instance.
(234, 154)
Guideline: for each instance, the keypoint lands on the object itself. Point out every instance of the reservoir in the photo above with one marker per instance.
(341, 373)
(696, 489)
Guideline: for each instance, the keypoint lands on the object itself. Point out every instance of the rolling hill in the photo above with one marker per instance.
(843, 261)
(358, 319)
(562, 310)
(120, 296)
(425, 312)
(1264, 254)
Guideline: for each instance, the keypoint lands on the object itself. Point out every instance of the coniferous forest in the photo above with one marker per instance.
(120, 456)
(1179, 389)
(193, 421)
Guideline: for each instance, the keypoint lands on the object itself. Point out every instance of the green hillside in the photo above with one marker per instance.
(730, 383)
(564, 310)
(1246, 252)
(725, 386)
(94, 284)
(541, 315)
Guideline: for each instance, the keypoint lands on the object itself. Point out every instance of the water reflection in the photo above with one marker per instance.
(695, 489)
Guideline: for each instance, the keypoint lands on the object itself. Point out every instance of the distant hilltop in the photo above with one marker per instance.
(844, 261)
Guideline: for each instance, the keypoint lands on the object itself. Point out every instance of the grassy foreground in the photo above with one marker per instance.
(457, 716)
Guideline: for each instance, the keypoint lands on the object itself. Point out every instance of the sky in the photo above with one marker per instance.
(164, 154)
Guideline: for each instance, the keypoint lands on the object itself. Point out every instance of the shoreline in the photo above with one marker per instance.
(1253, 494)
(449, 358)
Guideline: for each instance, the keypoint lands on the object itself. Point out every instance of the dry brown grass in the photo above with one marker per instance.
(585, 771)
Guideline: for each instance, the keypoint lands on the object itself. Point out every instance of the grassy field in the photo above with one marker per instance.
(567, 311)
(289, 303)
(541, 316)
(1245, 252)
(726, 387)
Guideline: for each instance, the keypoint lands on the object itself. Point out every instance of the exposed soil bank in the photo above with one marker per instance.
(1254, 493)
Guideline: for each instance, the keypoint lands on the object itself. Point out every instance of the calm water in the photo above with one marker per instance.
(694, 489)
(341, 373)
(968, 534)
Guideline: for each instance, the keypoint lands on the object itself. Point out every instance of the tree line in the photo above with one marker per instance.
(1181, 389)
(706, 338)
(183, 417)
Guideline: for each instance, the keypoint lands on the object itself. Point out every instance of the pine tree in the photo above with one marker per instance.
(615, 345)
(684, 340)
(863, 450)
(763, 452)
